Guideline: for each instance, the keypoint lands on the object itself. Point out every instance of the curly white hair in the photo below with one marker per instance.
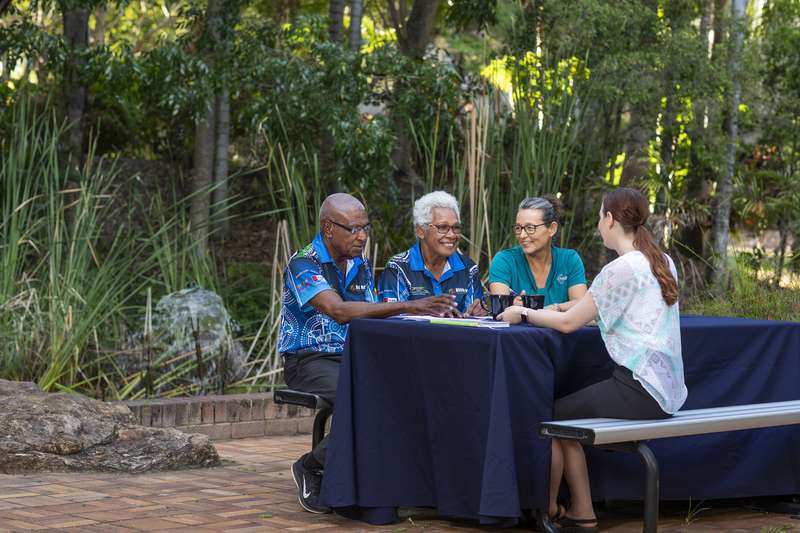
(423, 207)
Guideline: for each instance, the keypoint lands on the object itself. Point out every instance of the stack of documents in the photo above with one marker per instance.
(478, 322)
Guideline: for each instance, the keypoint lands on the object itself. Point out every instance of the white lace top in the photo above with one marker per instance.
(641, 332)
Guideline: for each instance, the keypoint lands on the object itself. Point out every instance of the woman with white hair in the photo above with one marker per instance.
(434, 266)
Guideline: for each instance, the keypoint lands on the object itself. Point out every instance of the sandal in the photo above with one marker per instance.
(573, 525)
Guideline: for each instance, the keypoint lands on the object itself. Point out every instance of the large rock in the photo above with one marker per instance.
(192, 341)
(42, 432)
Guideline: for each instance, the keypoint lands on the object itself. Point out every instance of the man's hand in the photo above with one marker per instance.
(475, 309)
(444, 305)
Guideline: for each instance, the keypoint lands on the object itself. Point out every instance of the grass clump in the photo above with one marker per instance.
(749, 295)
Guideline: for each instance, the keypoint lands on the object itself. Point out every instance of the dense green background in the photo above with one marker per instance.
(497, 101)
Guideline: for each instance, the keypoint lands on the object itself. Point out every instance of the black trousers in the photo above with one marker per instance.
(619, 396)
(316, 373)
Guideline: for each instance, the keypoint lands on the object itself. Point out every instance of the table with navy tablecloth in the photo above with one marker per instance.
(445, 416)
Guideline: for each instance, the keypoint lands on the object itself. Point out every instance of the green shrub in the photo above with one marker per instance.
(748, 296)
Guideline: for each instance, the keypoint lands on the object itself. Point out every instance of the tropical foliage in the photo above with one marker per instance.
(259, 109)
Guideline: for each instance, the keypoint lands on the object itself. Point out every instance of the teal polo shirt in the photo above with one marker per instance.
(511, 268)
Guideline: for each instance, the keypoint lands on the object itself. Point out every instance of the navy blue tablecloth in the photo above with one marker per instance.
(447, 417)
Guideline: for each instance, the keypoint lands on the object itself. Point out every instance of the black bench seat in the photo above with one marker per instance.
(311, 401)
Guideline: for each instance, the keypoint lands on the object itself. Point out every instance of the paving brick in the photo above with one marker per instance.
(216, 431)
(21, 525)
(182, 413)
(156, 415)
(257, 409)
(231, 410)
(284, 426)
(275, 410)
(255, 492)
(207, 412)
(305, 425)
(168, 414)
(195, 413)
(145, 420)
(241, 430)
(245, 407)
(220, 411)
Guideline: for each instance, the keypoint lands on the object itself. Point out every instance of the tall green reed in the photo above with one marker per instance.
(62, 292)
(73, 269)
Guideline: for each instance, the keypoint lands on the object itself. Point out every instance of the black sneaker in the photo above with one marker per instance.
(308, 484)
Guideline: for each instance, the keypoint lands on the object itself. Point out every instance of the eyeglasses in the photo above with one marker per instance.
(530, 229)
(353, 230)
(444, 229)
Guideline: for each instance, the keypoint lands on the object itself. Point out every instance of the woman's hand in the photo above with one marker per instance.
(518, 298)
(512, 314)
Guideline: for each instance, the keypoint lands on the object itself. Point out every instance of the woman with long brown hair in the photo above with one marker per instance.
(635, 302)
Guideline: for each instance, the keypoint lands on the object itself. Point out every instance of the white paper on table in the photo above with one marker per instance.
(479, 321)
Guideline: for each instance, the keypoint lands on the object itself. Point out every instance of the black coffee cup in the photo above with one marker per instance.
(533, 301)
(497, 303)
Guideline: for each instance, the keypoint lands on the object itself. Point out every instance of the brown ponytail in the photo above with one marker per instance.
(629, 207)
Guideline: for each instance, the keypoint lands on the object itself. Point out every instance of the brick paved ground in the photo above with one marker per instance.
(254, 492)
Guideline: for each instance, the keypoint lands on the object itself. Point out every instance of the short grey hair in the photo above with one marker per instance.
(549, 212)
(424, 206)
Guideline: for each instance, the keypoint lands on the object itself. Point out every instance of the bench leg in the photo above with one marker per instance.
(320, 420)
(651, 488)
(651, 480)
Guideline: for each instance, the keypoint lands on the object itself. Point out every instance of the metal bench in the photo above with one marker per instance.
(628, 435)
(311, 401)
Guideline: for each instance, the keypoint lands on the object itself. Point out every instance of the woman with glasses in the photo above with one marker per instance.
(536, 266)
(434, 266)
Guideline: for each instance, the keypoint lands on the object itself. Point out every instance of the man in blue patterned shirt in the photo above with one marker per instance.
(326, 285)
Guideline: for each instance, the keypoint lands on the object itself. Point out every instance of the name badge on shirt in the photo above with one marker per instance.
(354, 287)
(419, 291)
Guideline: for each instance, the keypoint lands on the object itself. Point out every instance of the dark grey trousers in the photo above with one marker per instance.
(316, 373)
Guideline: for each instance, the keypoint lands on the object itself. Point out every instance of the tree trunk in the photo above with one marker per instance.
(668, 134)
(356, 13)
(418, 28)
(205, 140)
(336, 21)
(220, 196)
(722, 204)
(413, 35)
(718, 23)
(693, 235)
(329, 167)
(203, 176)
(99, 33)
(637, 160)
(784, 232)
(76, 36)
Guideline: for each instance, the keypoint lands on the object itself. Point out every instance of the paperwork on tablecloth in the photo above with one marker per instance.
(479, 322)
